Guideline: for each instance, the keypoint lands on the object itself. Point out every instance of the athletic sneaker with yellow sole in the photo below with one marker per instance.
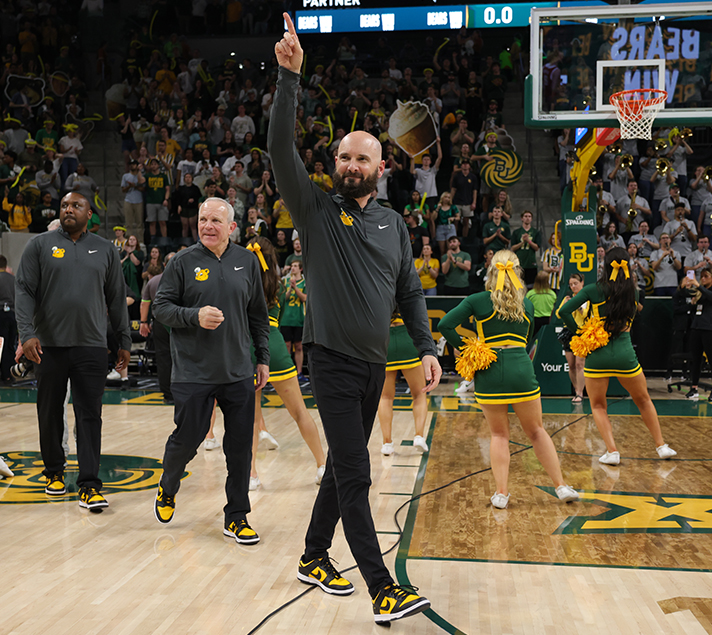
(396, 602)
(241, 532)
(89, 498)
(164, 507)
(55, 485)
(321, 572)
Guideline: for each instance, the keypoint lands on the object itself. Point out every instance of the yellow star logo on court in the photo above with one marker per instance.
(636, 512)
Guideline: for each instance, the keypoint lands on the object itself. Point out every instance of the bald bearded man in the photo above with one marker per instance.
(359, 263)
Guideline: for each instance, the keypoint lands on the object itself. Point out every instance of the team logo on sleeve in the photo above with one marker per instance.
(57, 253)
(346, 219)
(201, 274)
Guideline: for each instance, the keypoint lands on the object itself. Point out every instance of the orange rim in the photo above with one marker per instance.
(628, 104)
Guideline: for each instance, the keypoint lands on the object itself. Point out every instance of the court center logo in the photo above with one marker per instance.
(637, 513)
(119, 473)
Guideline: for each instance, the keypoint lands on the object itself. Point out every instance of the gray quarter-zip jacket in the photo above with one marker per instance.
(358, 262)
(63, 290)
(196, 277)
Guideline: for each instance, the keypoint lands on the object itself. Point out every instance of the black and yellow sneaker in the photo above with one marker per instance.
(89, 498)
(164, 507)
(321, 572)
(55, 485)
(241, 532)
(395, 602)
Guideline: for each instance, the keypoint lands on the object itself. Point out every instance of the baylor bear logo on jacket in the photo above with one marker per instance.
(57, 253)
(201, 274)
(346, 219)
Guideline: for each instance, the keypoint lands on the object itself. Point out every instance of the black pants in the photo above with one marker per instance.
(8, 331)
(85, 366)
(194, 405)
(700, 342)
(164, 365)
(347, 392)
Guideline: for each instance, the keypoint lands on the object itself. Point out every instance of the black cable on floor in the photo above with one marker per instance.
(284, 606)
(400, 529)
(462, 478)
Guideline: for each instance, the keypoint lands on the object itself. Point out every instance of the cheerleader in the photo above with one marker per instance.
(605, 343)
(402, 356)
(282, 372)
(503, 372)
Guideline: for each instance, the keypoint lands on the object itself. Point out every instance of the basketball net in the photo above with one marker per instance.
(636, 110)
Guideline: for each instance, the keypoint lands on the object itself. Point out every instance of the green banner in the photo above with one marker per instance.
(578, 242)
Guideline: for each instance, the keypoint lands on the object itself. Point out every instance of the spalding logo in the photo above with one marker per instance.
(201, 274)
(57, 253)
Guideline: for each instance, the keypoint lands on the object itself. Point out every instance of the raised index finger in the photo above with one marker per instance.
(290, 24)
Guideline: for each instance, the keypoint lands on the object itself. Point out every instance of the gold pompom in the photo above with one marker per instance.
(474, 355)
(591, 336)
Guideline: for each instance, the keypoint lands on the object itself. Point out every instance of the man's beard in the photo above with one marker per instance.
(363, 186)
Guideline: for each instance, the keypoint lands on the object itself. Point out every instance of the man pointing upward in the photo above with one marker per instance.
(359, 263)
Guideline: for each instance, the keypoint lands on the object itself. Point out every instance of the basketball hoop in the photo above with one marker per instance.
(636, 110)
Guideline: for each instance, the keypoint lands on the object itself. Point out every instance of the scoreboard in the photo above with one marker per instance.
(342, 16)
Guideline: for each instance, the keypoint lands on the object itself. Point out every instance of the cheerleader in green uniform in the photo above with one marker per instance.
(614, 300)
(402, 356)
(504, 320)
(282, 372)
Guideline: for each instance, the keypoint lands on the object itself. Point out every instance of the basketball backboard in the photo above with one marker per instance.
(587, 53)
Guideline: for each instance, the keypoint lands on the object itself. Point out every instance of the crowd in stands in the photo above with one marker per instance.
(43, 103)
(190, 131)
(649, 202)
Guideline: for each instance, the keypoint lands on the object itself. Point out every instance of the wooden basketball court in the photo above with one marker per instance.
(633, 556)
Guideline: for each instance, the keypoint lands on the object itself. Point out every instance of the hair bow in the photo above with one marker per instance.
(257, 250)
(615, 266)
(507, 270)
